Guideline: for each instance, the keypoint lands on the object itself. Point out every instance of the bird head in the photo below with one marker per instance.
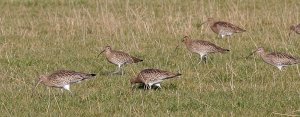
(258, 51)
(292, 27)
(185, 38)
(106, 49)
(133, 81)
(209, 21)
(41, 79)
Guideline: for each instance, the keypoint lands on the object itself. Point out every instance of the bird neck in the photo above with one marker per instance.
(188, 41)
(136, 80)
(261, 54)
(292, 28)
(46, 81)
(211, 22)
(107, 52)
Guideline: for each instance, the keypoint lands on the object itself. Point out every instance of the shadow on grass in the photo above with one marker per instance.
(153, 87)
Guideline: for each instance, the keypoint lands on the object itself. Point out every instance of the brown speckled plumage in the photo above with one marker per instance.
(223, 28)
(119, 58)
(296, 28)
(201, 47)
(151, 77)
(277, 59)
(64, 78)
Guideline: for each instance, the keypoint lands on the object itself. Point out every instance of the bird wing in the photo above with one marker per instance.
(228, 27)
(155, 75)
(297, 29)
(121, 54)
(283, 59)
(208, 46)
(124, 56)
(64, 77)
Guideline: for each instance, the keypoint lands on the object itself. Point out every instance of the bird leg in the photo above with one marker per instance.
(158, 85)
(145, 86)
(222, 36)
(122, 71)
(117, 70)
(148, 86)
(203, 57)
(67, 87)
(132, 86)
(280, 67)
(49, 102)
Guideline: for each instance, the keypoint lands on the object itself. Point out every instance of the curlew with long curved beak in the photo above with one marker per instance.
(223, 28)
(119, 58)
(276, 59)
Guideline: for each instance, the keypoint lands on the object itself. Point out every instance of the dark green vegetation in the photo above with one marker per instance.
(40, 36)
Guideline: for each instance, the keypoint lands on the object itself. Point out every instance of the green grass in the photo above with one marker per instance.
(40, 36)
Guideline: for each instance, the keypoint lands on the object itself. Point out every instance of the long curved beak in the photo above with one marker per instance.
(37, 84)
(34, 89)
(100, 53)
(176, 47)
(132, 87)
(203, 23)
(182, 39)
(250, 54)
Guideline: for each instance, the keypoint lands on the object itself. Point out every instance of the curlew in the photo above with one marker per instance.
(223, 28)
(63, 79)
(150, 77)
(276, 59)
(295, 28)
(119, 58)
(201, 47)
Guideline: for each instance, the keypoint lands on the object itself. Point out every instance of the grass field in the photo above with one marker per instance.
(40, 36)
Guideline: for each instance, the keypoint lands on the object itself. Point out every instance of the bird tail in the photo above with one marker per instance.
(298, 61)
(222, 50)
(88, 76)
(92, 74)
(239, 30)
(178, 74)
(136, 60)
(38, 82)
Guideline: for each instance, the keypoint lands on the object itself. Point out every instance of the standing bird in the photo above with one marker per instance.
(119, 58)
(295, 28)
(223, 28)
(63, 79)
(151, 77)
(201, 47)
(276, 59)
